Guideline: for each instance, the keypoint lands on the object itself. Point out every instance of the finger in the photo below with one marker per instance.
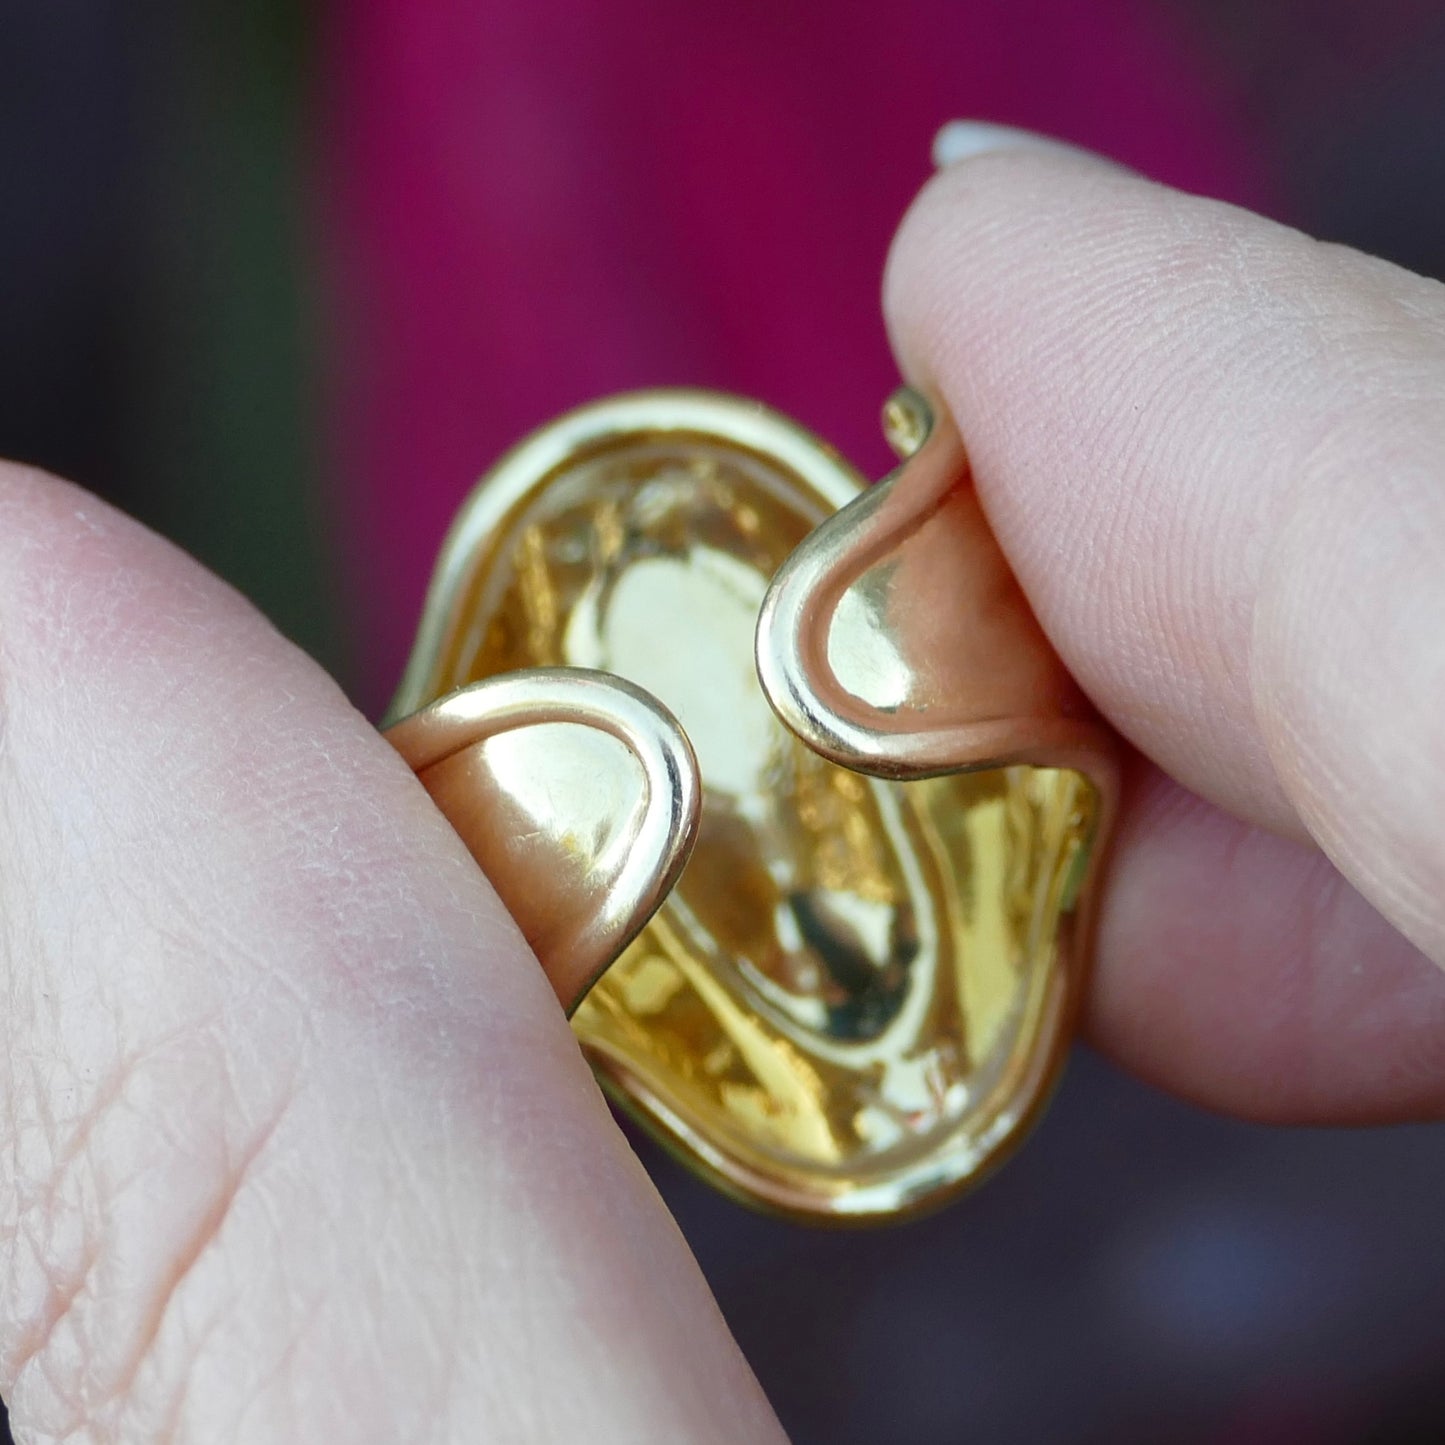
(1239, 969)
(298, 1146)
(1213, 450)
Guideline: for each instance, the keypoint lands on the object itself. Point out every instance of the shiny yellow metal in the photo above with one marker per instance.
(575, 792)
(853, 997)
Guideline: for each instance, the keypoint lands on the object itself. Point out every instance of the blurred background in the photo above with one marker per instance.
(281, 279)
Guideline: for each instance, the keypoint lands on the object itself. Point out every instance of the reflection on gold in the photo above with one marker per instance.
(858, 987)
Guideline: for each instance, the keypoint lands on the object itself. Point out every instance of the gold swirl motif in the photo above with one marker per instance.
(855, 993)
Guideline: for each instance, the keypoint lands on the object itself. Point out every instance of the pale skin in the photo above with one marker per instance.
(296, 1142)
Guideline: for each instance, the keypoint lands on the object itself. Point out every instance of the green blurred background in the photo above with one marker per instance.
(161, 300)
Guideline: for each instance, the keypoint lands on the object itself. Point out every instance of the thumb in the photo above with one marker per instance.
(297, 1144)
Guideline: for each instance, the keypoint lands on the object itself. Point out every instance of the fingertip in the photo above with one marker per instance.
(988, 180)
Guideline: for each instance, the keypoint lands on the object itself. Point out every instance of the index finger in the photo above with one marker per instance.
(1213, 450)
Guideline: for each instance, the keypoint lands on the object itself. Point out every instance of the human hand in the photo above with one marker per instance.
(300, 1147)
(1214, 450)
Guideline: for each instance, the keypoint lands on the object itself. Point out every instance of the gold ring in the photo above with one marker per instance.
(783, 783)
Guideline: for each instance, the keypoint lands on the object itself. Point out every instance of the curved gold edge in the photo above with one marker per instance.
(757, 1193)
(658, 412)
(611, 704)
(790, 666)
(1062, 742)
(798, 682)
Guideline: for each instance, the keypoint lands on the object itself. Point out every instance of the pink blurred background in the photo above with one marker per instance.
(540, 204)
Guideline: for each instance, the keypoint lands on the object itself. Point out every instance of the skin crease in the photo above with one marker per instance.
(297, 1144)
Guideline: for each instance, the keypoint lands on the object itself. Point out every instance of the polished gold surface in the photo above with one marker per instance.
(895, 639)
(857, 991)
(576, 793)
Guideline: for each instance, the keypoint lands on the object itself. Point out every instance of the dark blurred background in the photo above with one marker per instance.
(280, 279)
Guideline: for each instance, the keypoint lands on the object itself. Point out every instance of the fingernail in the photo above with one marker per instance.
(961, 140)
